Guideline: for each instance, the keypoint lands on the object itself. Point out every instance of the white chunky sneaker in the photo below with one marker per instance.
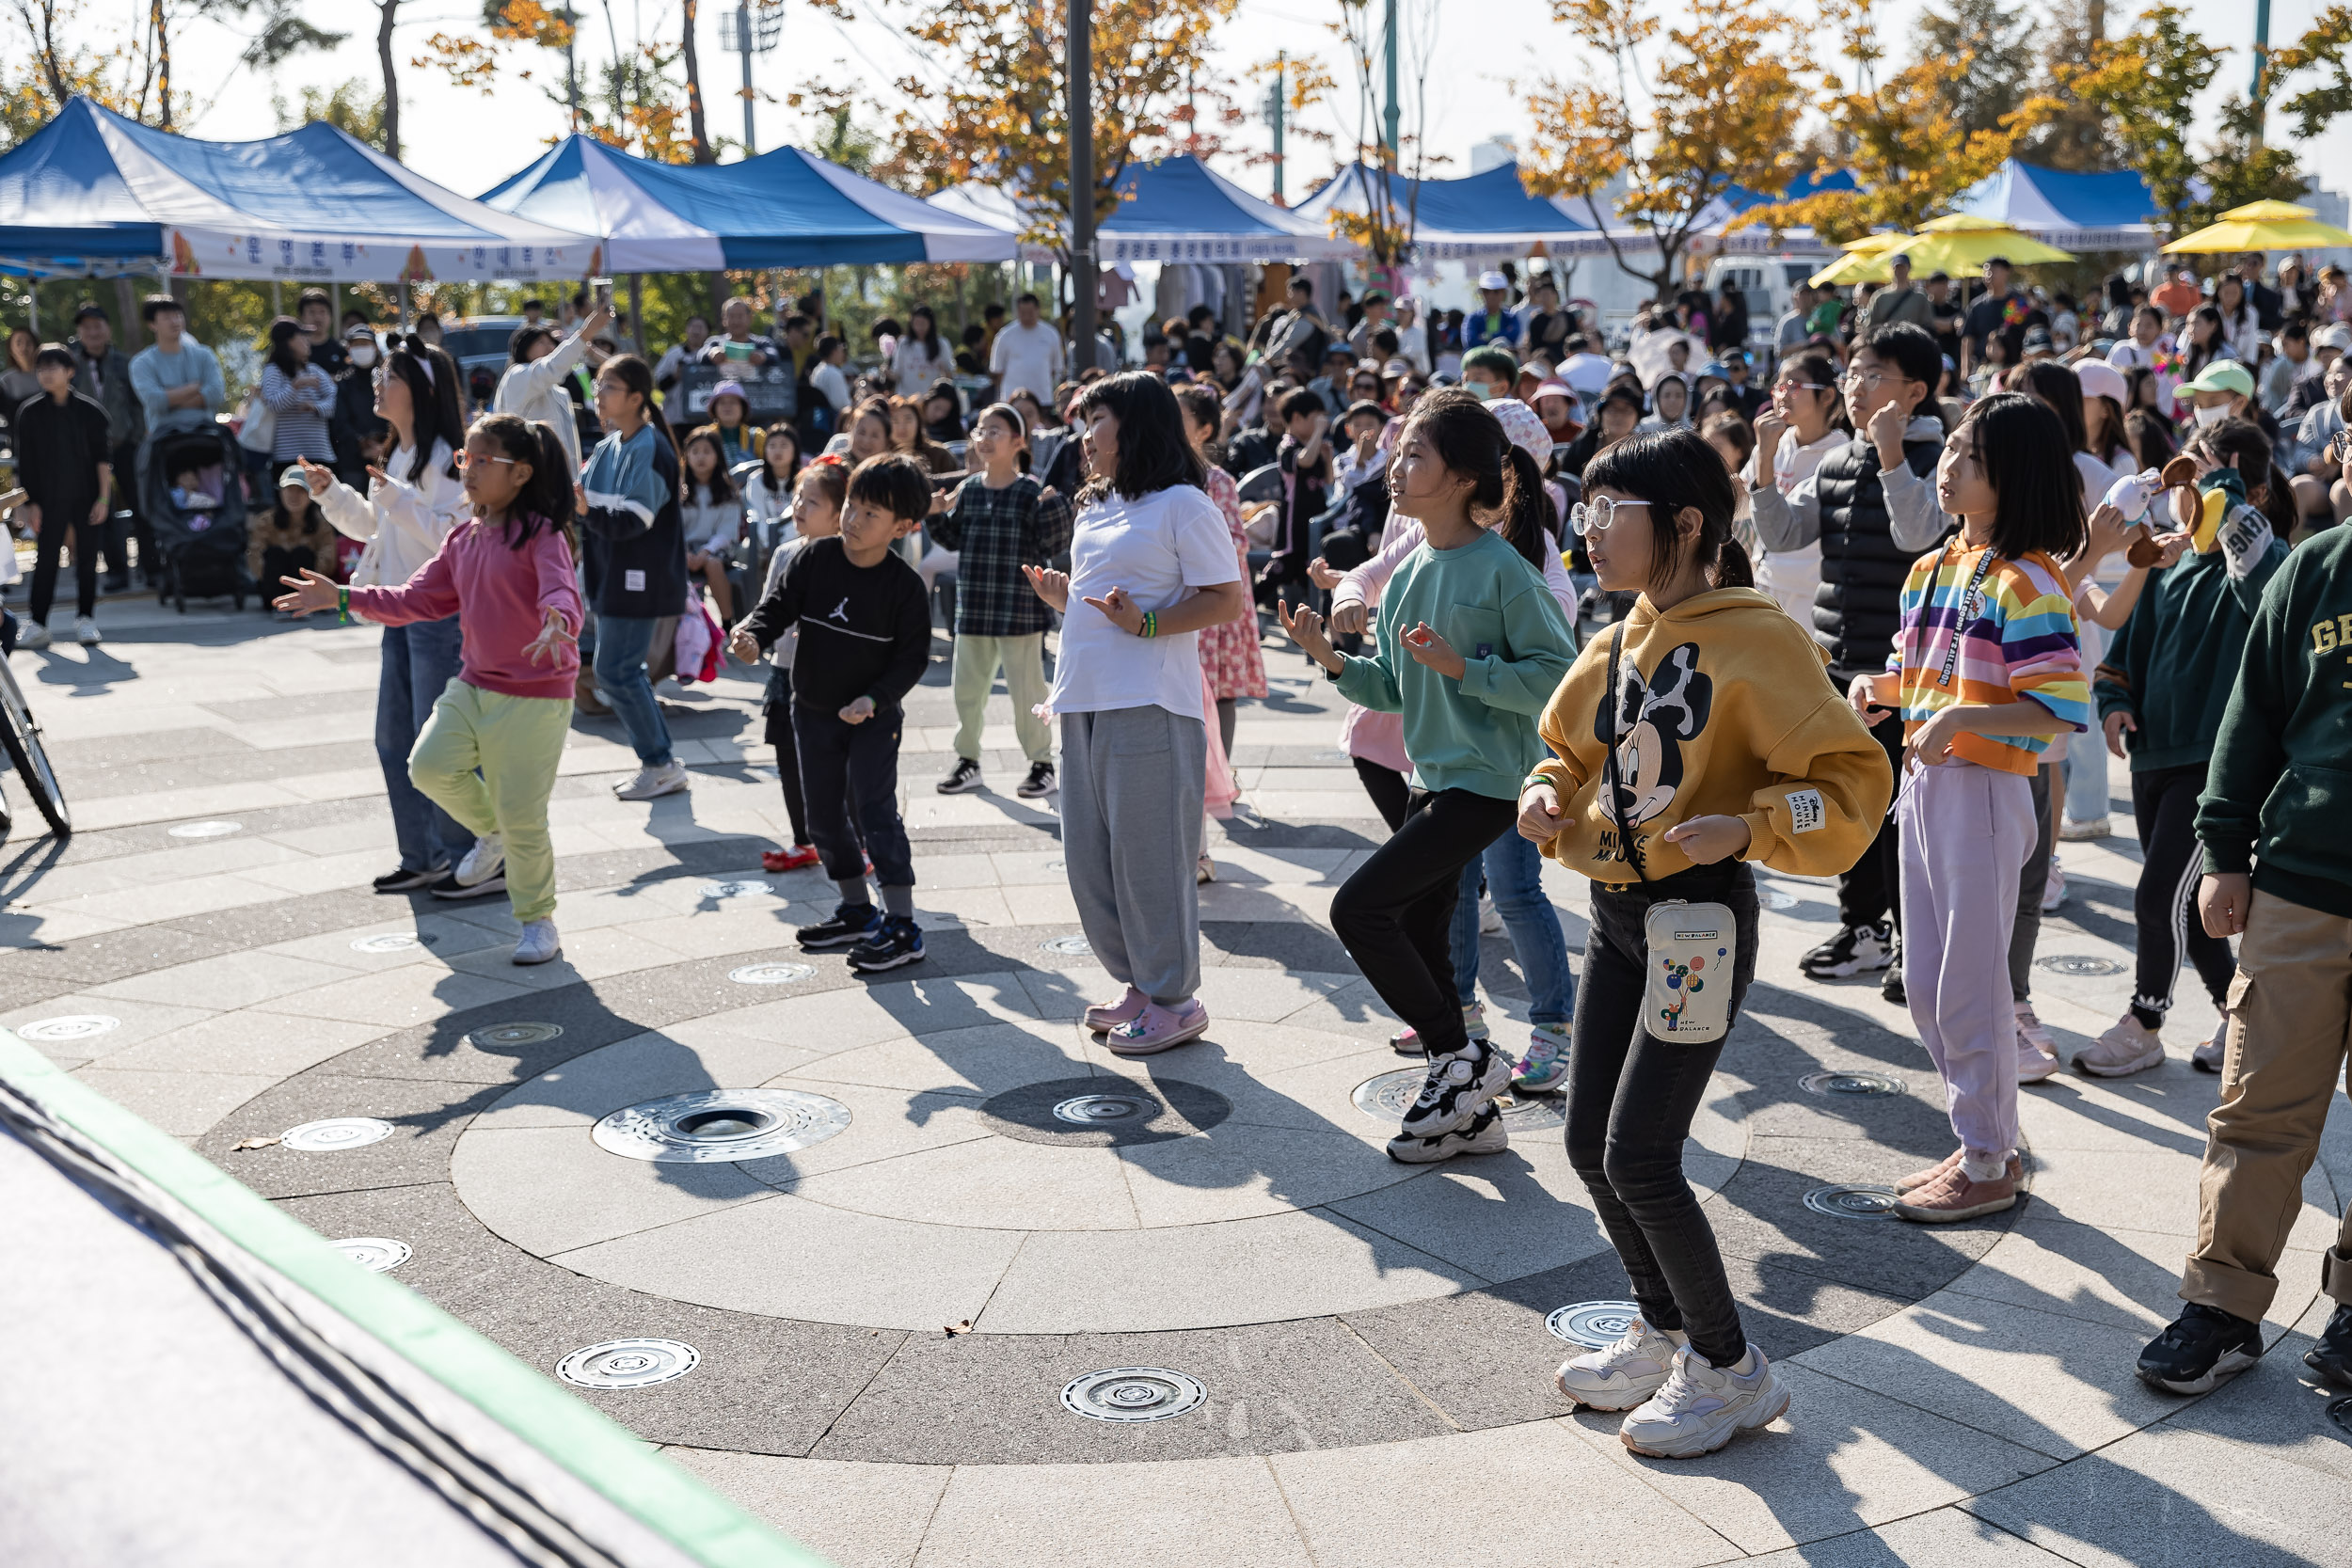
(32, 634)
(1484, 1134)
(2208, 1055)
(482, 861)
(1460, 1083)
(539, 943)
(1701, 1406)
(652, 783)
(2037, 1053)
(1625, 1374)
(86, 631)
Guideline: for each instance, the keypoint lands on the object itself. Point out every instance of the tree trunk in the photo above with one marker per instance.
(127, 309)
(694, 120)
(158, 18)
(387, 11)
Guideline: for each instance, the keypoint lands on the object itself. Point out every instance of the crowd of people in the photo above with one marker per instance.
(1659, 625)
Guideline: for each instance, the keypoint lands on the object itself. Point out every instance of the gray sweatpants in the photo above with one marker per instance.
(1133, 783)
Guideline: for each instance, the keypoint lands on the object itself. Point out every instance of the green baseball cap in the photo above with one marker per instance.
(2222, 375)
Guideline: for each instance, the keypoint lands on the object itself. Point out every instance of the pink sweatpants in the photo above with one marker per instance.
(1965, 833)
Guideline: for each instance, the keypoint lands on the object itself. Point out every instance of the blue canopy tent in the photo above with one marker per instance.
(91, 193)
(782, 208)
(2073, 212)
(1485, 216)
(1171, 210)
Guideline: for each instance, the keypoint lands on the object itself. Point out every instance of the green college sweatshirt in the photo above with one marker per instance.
(1478, 733)
(2173, 663)
(2280, 791)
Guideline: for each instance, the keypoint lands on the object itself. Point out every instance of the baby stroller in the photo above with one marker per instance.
(199, 549)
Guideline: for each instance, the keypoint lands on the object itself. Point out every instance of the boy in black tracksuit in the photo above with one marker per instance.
(2276, 798)
(63, 462)
(865, 639)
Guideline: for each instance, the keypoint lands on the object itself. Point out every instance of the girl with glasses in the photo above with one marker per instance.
(1805, 424)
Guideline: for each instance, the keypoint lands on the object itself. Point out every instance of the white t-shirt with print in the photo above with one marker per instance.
(1159, 548)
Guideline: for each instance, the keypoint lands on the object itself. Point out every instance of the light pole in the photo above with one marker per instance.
(1082, 183)
(756, 28)
(1273, 105)
(1389, 139)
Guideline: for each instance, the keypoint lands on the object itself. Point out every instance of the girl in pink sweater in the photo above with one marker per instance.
(508, 577)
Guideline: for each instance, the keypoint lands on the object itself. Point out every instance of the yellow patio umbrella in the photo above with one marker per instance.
(1963, 242)
(1864, 262)
(2262, 226)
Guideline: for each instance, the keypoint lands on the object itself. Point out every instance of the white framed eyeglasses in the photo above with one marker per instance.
(1593, 517)
(467, 460)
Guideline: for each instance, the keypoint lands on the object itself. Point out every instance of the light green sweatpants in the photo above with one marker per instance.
(516, 742)
(1024, 662)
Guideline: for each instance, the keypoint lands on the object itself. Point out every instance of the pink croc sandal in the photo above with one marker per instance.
(1104, 1017)
(1157, 1028)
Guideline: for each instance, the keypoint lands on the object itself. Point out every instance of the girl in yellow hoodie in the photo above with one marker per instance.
(1732, 745)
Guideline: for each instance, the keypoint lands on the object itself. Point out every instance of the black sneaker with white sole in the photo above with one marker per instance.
(1039, 783)
(401, 879)
(1484, 1135)
(963, 780)
(2203, 1346)
(897, 941)
(2331, 1359)
(1891, 988)
(1855, 950)
(1460, 1085)
(450, 887)
(850, 924)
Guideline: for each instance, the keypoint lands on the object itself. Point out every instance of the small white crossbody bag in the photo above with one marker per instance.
(1686, 996)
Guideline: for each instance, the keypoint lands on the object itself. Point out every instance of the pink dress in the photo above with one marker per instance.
(1229, 653)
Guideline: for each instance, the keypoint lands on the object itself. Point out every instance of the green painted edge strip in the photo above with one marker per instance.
(668, 1500)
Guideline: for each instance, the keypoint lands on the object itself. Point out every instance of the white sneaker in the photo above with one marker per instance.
(32, 634)
(653, 782)
(86, 631)
(2054, 892)
(1625, 1374)
(1486, 1135)
(482, 862)
(1701, 1406)
(539, 943)
(1489, 918)
(2128, 1046)
(2072, 831)
(2037, 1053)
(2208, 1055)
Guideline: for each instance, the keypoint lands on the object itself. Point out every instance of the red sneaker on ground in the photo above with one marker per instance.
(798, 857)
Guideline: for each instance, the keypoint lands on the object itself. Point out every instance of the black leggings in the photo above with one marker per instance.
(278, 562)
(1396, 914)
(2164, 802)
(1389, 790)
(68, 514)
(1870, 892)
(1631, 1100)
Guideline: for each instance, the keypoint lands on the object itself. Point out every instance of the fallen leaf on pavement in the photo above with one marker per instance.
(253, 1143)
(963, 1327)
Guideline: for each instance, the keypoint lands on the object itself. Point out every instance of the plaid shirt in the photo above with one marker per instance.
(996, 533)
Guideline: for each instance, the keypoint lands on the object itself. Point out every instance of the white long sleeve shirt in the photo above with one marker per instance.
(403, 523)
(535, 391)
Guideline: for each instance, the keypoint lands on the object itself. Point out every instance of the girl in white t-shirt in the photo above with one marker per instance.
(1150, 563)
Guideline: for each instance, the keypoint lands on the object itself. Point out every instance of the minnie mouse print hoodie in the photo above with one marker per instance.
(1724, 707)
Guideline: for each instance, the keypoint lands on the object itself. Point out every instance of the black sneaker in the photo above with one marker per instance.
(2204, 1346)
(401, 880)
(900, 941)
(1855, 950)
(1460, 1085)
(1891, 988)
(963, 780)
(450, 887)
(850, 924)
(2331, 1359)
(1039, 783)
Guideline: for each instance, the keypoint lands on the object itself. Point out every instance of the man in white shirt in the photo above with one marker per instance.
(739, 344)
(1027, 355)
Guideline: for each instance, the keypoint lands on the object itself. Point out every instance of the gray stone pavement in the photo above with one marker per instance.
(1372, 1337)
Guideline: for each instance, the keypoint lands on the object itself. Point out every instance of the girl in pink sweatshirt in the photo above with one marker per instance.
(508, 577)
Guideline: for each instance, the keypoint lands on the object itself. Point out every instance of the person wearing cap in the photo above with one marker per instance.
(1494, 321)
(2039, 344)
(359, 431)
(1555, 402)
(2105, 393)
(289, 536)
(532, 385)
(2220, 391)
(1900, 301)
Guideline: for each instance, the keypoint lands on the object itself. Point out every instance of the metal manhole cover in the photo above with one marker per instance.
(1853, 1201)
(1103, 1112)
(715, 1126)
(1594, 1324)
(2339, 1412)
(1851, 1083)
(1075, 948)
(770, 974)
(515, 1033)
(750, 887)
(73, 1027)
(391, 942)
(628, 1363)
(1388, 1097)
(2079, 963)
(336, 1134)
(1132, 1394)
(375, 1254)
(205, 830)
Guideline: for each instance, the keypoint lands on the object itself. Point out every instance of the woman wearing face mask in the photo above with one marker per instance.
(355, 422)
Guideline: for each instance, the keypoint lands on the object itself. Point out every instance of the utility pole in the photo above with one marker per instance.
(1274, 104)
(1388, 138)
(1082, 183)
(2258, 94)
(754, 29)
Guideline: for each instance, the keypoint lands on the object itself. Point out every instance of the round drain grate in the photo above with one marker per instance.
(2339, 1412)
(2079, 963)
(750, 887)
(1132, 1394)
(375, 1254)
(628, 1363)
(1853, 1201)
(1388, 1097)
(1074, 947)
(715, 1126)
(73, 1027)
(1103, 1112)
(1851, 1083)
(391, 942)
(205, 830)
(515, 1033)
(1594, 1324)
(770, 974)
(1094, 1110)
(336, 1134)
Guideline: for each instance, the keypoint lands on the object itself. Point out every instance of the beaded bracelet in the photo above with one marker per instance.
(342, 606)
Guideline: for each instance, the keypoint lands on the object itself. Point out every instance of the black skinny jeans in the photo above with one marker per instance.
(1631, 1100)
(60, 517)
(2164, 804)
(1872, 889)
(1396, 914)
(1391, 793)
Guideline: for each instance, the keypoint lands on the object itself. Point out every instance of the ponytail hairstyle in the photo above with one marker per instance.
(438, 415)
(636, 377)
(1009, 417)
(283, 332)
(1676, 470)
(1207, 409)
(1509, 486)
(546, 501)
(2029, 458)
(829, 476)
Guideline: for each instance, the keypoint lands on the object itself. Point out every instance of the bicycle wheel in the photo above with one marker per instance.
(21, 735)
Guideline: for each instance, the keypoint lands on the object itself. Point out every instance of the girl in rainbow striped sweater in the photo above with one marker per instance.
(1987, 666)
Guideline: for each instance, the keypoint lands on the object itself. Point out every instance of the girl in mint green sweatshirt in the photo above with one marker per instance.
(1468, 647)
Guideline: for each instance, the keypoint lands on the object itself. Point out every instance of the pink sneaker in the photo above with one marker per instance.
(2037, 1053)
(1157, 1028)
(1107, 1015)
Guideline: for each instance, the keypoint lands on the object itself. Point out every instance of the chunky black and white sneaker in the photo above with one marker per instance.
(1891, 988)
(2203, 1345)
(1460, 1085)
(401, 879)
(850, 924)
(2331, 1359)
(1038, 784)
(1484, 1135)
(1855, 950)
(897, 941)
(963, 780)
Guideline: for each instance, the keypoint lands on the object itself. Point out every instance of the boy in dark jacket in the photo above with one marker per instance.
(63, 462)
(2276, 801)
(865, 639)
